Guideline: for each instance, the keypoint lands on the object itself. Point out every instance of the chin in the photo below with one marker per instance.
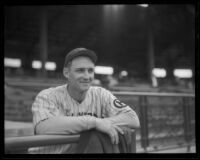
(85, 88)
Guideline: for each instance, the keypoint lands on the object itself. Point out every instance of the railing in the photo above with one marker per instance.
(158, 121)
(152, 123)
(20, 145)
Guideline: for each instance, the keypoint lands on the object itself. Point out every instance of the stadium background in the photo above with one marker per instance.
(129, 38)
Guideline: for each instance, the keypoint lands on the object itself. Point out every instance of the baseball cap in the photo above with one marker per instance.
(80, 52)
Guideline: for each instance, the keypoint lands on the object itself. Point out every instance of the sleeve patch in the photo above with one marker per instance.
(117, 103)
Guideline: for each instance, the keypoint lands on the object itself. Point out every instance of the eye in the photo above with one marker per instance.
(80, 70)
(90, 70)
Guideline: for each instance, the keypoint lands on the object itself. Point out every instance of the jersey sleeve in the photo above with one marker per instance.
(112, 105)
(118, 112)
(49, 119)
(43, 108)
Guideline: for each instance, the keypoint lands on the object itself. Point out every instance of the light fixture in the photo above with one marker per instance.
(159, 72)
(104, 70)
(183, 73)
(12, 62)
(36, 64)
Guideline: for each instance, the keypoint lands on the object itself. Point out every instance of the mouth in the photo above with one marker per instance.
(85, 83)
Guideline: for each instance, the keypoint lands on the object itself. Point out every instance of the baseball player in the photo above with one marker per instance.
(77, 106)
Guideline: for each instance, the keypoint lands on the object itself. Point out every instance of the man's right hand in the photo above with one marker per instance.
(107, 127)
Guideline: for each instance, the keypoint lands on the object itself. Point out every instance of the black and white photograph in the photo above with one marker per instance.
(99, 79)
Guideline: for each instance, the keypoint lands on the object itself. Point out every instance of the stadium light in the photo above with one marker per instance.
(143, 5)
(183, 73)
(103, 70)
(12, 62)
(50, 66)
(159, 72)
(36, 64)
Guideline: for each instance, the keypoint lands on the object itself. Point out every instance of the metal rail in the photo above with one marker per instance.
(38, 140)
(20, 145)
(157, 94)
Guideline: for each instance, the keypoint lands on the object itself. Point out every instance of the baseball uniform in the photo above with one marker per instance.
(98, 102)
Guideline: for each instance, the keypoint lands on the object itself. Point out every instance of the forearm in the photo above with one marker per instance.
(129, 119)
(65, 125)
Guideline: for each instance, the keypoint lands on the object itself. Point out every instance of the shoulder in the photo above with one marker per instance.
(99, 91)
(52, 91)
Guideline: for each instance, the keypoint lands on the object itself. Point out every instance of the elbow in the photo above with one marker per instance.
(41, 128)
(136, 123)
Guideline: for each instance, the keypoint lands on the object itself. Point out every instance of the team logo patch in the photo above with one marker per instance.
(119, 104)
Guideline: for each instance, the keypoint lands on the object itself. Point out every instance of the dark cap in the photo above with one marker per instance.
(80, 52)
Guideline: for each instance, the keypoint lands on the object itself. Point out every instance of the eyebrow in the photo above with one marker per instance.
(84, 68)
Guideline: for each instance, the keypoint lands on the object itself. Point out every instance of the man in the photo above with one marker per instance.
(78, 107)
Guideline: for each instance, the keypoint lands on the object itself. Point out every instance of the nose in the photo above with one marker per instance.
(87, 75)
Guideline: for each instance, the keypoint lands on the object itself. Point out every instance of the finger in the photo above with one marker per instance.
(113, 136)
(116, 137)
(119, 129)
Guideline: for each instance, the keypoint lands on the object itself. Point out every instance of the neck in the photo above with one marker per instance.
(75, 94)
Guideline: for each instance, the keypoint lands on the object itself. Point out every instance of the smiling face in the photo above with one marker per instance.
(80, 74)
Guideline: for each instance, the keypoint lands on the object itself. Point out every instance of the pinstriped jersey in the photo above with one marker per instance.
(51, 102)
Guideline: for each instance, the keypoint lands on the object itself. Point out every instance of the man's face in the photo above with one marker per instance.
(80, 73)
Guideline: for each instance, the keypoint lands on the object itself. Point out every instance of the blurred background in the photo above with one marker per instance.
(145, 51)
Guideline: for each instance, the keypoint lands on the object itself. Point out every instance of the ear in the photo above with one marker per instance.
(66, 72)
